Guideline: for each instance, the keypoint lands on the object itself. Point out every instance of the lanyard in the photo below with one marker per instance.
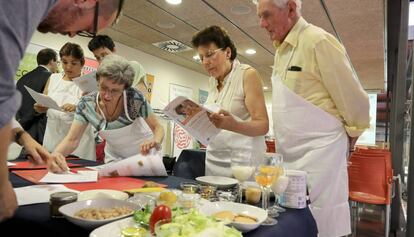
(105, 122)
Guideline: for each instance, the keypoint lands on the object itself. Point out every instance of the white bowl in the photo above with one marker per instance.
(102, 194)
(237, 208)
(70, 209)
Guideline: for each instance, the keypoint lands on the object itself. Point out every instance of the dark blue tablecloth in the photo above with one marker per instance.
(34, 220)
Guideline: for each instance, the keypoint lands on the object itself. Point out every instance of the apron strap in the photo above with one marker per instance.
(126, 107)
(221, 95)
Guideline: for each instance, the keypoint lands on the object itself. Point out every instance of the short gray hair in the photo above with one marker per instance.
(116, 69)
(283, 4)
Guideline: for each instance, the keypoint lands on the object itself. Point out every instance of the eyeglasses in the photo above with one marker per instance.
(108, 91)
(95, 24)
(209, 55)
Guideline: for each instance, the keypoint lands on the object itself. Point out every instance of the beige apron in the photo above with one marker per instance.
(314, 141)
(124, 142)
(220, 150)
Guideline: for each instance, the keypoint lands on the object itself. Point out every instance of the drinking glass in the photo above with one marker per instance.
(267, 173)
(278, 186)
(242, 168)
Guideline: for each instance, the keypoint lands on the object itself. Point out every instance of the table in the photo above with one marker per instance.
(34, 220)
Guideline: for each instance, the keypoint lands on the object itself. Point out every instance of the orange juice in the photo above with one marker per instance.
(268, 175)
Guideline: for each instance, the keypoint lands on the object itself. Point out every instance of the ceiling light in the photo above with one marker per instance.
(250, 51)
(174, 2)
(197, 58)
(166, 25)
(240, 9)
(265, 88)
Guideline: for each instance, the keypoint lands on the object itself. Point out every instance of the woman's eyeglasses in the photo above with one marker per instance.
(109, 92)
(209, 55)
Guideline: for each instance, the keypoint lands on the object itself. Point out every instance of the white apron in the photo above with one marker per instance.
(314, 141)
(124, 142)
(59, 123)
(226, 143)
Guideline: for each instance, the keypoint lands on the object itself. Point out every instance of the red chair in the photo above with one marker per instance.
(370, 179)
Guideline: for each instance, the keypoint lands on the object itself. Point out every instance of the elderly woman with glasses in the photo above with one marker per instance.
(64, 91)
(119, 112)
(237, 89)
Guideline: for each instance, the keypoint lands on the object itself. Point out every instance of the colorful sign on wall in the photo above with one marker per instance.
(180, 138)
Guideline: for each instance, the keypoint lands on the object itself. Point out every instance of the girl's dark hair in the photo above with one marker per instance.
(74, 50)
(216, 35)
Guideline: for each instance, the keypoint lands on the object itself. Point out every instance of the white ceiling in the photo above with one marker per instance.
(360, 24)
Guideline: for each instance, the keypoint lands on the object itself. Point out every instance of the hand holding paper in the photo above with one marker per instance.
(223, 120)
(193, 118)
(43, 100)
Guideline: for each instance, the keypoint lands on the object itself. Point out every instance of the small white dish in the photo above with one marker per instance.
(113, 228)
(70, 209)
(102, 194)
(218, 181)
(237, 208)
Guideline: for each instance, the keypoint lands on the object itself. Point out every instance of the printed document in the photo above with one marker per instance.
(193, 118)
(87, 83)
(82, 176)
(137, 165)
(43, 99)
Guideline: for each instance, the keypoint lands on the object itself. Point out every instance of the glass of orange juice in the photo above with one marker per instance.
(267, 172)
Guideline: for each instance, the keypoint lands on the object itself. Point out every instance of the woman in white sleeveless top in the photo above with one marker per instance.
(67, 95)
(237, 89)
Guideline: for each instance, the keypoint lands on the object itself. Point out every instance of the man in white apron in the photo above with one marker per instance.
(318, 108)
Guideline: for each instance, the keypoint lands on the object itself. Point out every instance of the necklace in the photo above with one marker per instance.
(110, 115)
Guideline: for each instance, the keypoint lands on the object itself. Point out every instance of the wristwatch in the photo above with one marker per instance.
(18, 135)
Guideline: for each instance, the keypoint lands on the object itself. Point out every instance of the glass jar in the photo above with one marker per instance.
(59, 199)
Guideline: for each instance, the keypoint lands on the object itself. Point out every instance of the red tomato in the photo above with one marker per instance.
(161, 212)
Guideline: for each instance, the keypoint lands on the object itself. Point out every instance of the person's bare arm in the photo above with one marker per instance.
(58, 162)
(158, 132)
(8, 201)
(255, 103)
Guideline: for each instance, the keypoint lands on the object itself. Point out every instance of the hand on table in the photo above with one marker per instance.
(36, 153)
(57, 163)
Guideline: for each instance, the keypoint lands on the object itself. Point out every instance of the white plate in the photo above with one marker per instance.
(102, 194)
(70, 209)
(114, 228)
(219, 181)
(237, 208)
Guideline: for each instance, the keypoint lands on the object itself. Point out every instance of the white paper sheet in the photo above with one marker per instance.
(43, 99)
(38, 193)
(193, 118)
(83, 176)
(87, 83)
(11, 164)
(138, 165)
